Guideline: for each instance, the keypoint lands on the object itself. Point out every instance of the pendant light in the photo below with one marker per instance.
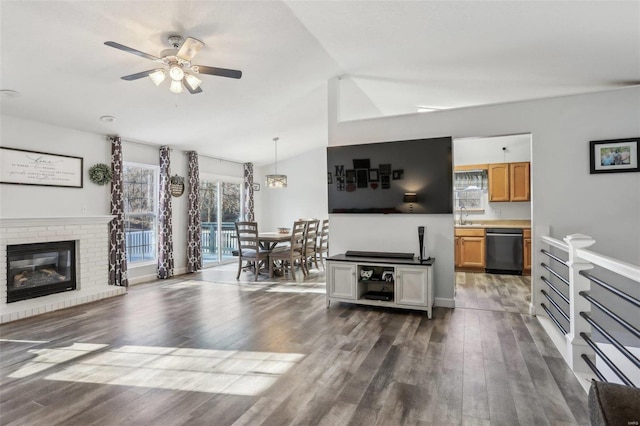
(276, 181)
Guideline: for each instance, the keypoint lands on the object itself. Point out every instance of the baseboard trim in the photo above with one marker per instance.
(152, 277)
(442, 302)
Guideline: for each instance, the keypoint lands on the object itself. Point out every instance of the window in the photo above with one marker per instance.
(140, 184)
(220, 208)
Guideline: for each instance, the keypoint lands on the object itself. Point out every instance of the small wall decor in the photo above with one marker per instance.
(614, 155)
(22, 167)
(176, 186)
(100, 174)
(373, 175)
(256, 187)
(398, 174)
(329, 178)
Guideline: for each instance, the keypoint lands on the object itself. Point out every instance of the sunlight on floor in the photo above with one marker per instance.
(200, 370)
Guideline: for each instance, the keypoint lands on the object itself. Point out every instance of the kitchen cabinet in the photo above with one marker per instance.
(499, 182)
(519, 185)
(526, 251)
(509, 182)
(470, 248)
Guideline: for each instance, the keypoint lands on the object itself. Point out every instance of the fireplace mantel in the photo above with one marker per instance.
(13, 222)
(91, 234)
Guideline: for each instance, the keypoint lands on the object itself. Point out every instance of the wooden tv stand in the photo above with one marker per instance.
(381, 281)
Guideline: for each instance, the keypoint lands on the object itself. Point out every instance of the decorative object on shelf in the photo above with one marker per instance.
(614, 155)
(100, 174)
(176, 186)
(410, 197)
(387, 276)
(276, 181)
(366, 274)
(22, 167)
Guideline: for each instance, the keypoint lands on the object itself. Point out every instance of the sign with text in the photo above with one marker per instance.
(18, 166)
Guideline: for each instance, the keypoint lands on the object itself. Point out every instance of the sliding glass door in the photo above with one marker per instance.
(220, 208)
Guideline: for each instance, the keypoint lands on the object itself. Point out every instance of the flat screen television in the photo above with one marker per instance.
(412, 176)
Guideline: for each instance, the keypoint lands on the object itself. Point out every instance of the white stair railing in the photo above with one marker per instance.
(566, 281)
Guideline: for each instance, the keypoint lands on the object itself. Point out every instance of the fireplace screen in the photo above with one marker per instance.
(35, 270)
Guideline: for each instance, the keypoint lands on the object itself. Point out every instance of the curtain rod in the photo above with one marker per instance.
(186, 152)
(215, 158)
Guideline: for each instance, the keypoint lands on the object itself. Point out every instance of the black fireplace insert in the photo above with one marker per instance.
(40, 269)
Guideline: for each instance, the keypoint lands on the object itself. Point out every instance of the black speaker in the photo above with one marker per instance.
(421, 242)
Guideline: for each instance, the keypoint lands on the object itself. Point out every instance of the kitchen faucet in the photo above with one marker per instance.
(462, 220)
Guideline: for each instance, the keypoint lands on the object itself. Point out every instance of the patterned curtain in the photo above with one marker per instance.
(117, 240)
(194, 247)
(249, 213)
(165, 229)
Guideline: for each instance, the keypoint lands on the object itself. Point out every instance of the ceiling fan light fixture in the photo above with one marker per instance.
(192, 81)
(157, 77)
(176, 86)
(176, 72)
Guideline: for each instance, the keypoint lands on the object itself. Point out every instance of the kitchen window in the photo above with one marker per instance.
(469, 187)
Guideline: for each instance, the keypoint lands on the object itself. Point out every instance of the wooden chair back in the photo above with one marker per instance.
(311, 236)
(248, 242)
(323, 244)
(297, 235)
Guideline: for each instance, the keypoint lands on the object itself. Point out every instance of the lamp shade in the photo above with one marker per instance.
(276, 181)
(410, 197)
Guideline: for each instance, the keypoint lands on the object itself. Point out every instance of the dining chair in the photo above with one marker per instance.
(249, 249)
(323, 242)
(292, 253)
(310, 243)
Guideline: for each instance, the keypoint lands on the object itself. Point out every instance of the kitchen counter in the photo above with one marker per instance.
(524, 224)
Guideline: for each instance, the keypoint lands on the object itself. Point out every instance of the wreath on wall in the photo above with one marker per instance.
(100, 174)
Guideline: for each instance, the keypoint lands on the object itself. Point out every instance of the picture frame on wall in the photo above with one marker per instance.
(614, 155)
(23, 167)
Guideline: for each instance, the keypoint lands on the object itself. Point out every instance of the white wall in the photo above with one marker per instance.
(305, 195)
(565, 196)
(34, 201)
(488, 151)
(18, 201)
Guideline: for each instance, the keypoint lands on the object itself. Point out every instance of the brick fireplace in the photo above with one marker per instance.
(90, 235)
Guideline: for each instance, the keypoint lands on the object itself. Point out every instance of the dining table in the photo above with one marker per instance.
(269, 240)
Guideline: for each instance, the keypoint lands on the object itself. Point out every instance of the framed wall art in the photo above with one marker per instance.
(22, 167)
(614, 155)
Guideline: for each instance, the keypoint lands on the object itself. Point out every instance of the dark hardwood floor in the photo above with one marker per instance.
(493, 292)
(204, 349)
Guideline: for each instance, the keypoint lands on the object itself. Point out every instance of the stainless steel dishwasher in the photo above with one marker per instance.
(504, 251)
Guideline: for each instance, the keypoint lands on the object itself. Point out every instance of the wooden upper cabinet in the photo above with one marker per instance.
(499, 182)
(519, 181)
(509, 182)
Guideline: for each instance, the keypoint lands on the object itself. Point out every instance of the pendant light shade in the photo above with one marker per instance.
(275, 180)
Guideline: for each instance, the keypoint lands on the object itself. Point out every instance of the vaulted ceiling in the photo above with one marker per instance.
(392, 56)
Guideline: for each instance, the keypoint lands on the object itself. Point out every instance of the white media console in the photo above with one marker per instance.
(405, 283)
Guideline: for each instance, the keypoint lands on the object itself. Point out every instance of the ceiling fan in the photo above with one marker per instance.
(176, 62)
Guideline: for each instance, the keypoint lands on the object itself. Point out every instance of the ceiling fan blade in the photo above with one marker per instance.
(192, 91)
(138, 75)
(130, 50)
(189, 48)
(222, 72)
